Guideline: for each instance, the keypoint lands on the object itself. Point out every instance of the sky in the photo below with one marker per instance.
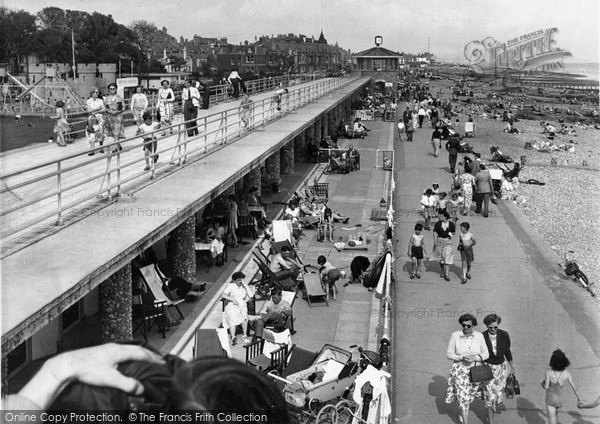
(443, 27)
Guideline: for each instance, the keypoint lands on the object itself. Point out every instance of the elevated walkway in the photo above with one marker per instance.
(41, 281)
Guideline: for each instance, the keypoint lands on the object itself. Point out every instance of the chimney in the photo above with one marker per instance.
(164, 29)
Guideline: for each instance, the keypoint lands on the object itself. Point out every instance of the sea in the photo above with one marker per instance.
(587, 70)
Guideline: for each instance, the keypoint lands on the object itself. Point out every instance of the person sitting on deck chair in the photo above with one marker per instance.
(274, 313)
(284, 266)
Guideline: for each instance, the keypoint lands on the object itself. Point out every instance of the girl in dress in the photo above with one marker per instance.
(61, 127)
(165, 105)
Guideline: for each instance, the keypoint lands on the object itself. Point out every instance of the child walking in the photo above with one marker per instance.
(61, 127)
(416, 251)
(147, 128)
(428, 204)
(452, 207)
(466, 241)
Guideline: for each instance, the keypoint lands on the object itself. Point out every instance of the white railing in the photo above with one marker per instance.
(46, 192)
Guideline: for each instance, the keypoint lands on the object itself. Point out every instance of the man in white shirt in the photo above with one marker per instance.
(236, 81)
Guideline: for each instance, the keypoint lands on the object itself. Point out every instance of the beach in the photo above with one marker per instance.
(566, 209)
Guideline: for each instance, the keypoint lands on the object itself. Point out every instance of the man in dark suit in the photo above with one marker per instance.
(498, 345)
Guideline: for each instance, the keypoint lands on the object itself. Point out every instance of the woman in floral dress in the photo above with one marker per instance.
(467, 181)
(465, 348)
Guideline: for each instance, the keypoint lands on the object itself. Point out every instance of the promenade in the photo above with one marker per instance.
(515, 275)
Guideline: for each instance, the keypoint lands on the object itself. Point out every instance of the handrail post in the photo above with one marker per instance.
(118, 193)
(59, 192)
(225, 128)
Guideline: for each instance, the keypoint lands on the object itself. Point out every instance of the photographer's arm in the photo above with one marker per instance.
(96, 366)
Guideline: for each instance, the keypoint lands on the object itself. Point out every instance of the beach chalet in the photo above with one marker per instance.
(381, 64)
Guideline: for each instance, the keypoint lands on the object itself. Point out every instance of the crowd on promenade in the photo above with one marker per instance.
(471, 352)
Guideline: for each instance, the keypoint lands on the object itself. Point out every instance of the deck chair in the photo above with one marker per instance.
(498, 156)
(289, 297)
(336, 165)
(469, 129)
(155, 285)
(313, 287)
(286, 284)
(282, 230)
(207, 343)
(144, 318)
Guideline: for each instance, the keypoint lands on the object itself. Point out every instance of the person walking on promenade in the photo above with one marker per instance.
(146, 130)
(476, 164)
(410, 130)
(465, 348)
(443, 231)
(401, 128)
(554, 380)
(139, 104)
(453, 147)
(434, 117)
(428, 203)
(465, 247)
(436, 141)
(115, 105)
(236, 81)
(498, 345)
(245, 110)
(467, 181)
(191, 103)
(165, 105)
(421, 116)
(416, 251)
(407, 116)
(485, 188)
(61, 126)
(95, 128)
(233, 218)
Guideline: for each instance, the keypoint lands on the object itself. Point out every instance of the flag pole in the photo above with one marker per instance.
(73, 53)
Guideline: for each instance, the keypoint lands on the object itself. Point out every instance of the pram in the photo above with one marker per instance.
(328, 378)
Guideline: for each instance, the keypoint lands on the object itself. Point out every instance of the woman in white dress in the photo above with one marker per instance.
(166, 96)
(236, 311)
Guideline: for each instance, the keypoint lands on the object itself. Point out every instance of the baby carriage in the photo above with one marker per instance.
(317, 390)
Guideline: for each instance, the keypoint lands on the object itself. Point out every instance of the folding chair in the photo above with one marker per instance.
(469, 129)
(145, 317)
(155, 284)
(285, 284)
(336, 165)
(313, 287)
(207, 343)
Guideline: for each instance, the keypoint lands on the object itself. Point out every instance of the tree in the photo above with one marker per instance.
(17, 29)
(52, 18)
(144, 36)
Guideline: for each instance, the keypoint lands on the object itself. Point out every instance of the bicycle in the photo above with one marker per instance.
(572, 270)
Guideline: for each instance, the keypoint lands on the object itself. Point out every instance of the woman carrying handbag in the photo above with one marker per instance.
(498, 345)
(467, 349)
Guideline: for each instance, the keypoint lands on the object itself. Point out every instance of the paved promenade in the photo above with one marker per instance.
(350, 319)
(515, 275)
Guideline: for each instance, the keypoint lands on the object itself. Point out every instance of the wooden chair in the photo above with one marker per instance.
(155, 285)
(265, 363)
(144, 316)
(298, 359)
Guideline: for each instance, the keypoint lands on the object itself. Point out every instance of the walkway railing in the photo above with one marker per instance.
(73, 186)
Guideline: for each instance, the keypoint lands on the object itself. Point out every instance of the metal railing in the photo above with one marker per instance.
(66, 184)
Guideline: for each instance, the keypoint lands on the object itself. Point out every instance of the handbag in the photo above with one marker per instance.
(481, 373)
(509, 390)
(517, 386)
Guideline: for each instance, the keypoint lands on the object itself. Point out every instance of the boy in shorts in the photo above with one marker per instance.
(416, 251)
(146, 129)
(465, 247)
